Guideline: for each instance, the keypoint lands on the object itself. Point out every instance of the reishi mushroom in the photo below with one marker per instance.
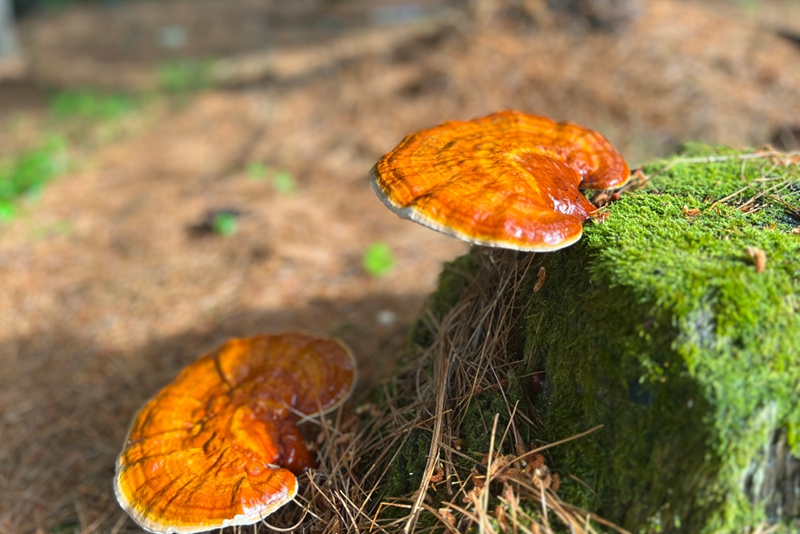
(220, 446)
(508, 180)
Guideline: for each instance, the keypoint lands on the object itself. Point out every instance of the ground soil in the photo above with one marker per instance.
(108, 288)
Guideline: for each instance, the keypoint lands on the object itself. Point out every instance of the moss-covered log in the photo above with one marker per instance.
(664, 325)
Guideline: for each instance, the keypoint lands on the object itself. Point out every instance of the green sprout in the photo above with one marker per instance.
(378, 259)
(185, 75)
(90, 105)
(750, 6)
(256, 170)
(284, 182)
(27, 173)
(7, 210)
(225, 223)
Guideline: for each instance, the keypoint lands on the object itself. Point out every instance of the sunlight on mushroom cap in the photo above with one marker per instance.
(220, 446)
(506, 180)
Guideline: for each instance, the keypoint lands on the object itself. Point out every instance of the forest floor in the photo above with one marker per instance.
(114, 275)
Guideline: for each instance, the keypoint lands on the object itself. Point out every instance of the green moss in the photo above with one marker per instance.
(658, 326)
(405, 472)
(452, 281)
(479, 418)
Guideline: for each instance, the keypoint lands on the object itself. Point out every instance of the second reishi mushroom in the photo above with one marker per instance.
(507, 180)
(219, 446)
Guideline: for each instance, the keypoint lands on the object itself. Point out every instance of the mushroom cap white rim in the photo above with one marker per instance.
(250, 517)
(406, 212)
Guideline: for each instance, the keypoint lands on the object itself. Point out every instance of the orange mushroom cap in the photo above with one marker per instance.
(506, 180)
(219, 446)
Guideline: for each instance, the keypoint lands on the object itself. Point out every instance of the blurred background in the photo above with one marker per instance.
(177, 172)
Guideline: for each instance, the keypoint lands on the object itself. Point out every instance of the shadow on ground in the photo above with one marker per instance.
(75, 433)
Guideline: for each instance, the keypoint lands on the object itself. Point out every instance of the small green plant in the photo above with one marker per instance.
(749, 8)
(90, 105)
(256, 170)
(284, 182)
(26, 174)
(378, 259)
(225, 223)
(7, 210)
(185, 75)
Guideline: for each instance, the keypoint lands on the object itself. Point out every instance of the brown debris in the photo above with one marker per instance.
(438, 476)
(535, 462)
(541, 477)
(499, 464)
(502, 520)
(604, 199)
(758, 257)
(690, 212)
(601, 200)
(540, 276)
(447, 515)
(477, 480)
(344, 439)
(555, 483)
(638, 179)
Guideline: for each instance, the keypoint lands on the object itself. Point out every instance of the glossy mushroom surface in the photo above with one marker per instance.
(219, 446)
(508, 180)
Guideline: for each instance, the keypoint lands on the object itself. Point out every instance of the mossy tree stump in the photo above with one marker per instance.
(660, 327)
(664, 325)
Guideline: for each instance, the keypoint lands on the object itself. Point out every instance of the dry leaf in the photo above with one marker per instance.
(540, 279)
(556, 482)
(447, 515)
(758, 257)
(541, 477)
(690, 212)
(502, 521)
(601, 200)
